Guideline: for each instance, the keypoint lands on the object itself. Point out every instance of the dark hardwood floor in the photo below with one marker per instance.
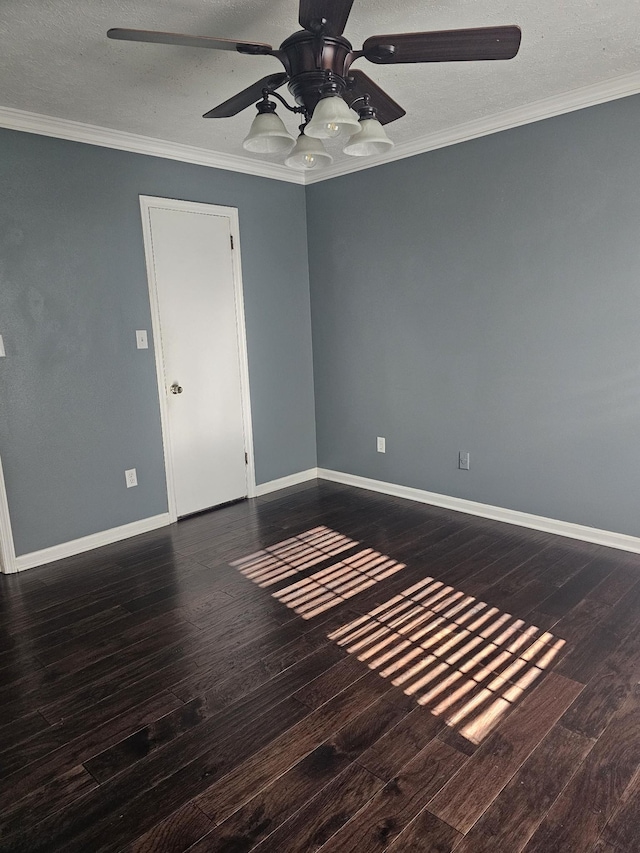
(329, 669)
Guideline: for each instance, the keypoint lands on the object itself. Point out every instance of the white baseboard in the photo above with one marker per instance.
(116, 534)
(567, 529)
(87, 543)
(285, 482)
(496, 513)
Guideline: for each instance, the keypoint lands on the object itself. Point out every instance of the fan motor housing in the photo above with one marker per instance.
(307, 58)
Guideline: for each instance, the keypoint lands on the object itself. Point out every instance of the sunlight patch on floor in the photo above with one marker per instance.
(331, 586)
(460, 657)
(293, 555)
(310, 596)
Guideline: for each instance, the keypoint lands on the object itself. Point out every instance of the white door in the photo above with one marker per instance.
(197, 319)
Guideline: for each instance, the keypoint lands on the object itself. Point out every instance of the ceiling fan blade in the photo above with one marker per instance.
(248, 96)
(326, 16)
(444, 45)
(386, 108)
(255, 48)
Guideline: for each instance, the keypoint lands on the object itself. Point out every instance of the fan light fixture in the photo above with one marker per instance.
(309, 153)
(372, 138)
(332, 117)
(267, 134)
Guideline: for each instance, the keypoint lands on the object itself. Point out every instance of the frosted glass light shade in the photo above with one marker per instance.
(372, 139)
(332, 117)
(268, 135)
(308, 154)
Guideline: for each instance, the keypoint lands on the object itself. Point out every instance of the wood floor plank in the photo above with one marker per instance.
(324, 814)
(385, 816)
(341, 676)
(12, 734)
(513, 817)
(156, 671)
(461, 802)
(606, 691)
(16, 662)
(498, 558)
(182, 829)
(579, 815)
(584, 660)
(579, 586)
(603, 846)
(616, 585)
(498, 570)
(109, 616)
(222, 798)
(114, 593)
(397, 747)
(621, 831)
(62, 624)
(276, 802)
(521, 599)
(51, 688)
(102, 583)
(120, 810)
(95, 681)
(624, 617)
(426, 834)
(576, 625)
(66, 658)
(68, 730)
(280, 799)
(37, 805)
(30, 775)
(156, 735)
(254, 662)
(371, 725)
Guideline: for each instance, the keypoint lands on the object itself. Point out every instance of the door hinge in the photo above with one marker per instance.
(231, 238)
(246, 458)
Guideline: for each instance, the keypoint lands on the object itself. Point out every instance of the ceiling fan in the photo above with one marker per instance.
(317, 70)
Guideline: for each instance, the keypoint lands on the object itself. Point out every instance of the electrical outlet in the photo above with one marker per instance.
(463, 460)
(131, 478)
(141, 339)
(381, 444)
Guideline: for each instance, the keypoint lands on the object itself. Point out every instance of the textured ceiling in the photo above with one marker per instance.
(55, 59)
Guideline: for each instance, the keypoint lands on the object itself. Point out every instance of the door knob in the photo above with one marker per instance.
(176, 389)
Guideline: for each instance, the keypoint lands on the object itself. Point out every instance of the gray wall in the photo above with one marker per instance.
(78, 402)
(486, 297)
(483, 297)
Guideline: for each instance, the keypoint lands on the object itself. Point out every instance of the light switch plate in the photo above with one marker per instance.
(141, 339)
(2, 352)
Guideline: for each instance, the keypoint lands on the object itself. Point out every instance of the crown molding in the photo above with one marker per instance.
(575, 99)
(567, 102)
(77, 131)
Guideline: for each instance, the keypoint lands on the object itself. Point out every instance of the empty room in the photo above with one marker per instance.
(319, 413)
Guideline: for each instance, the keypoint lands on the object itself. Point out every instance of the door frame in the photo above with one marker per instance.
(7, 548)
(146, 203)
